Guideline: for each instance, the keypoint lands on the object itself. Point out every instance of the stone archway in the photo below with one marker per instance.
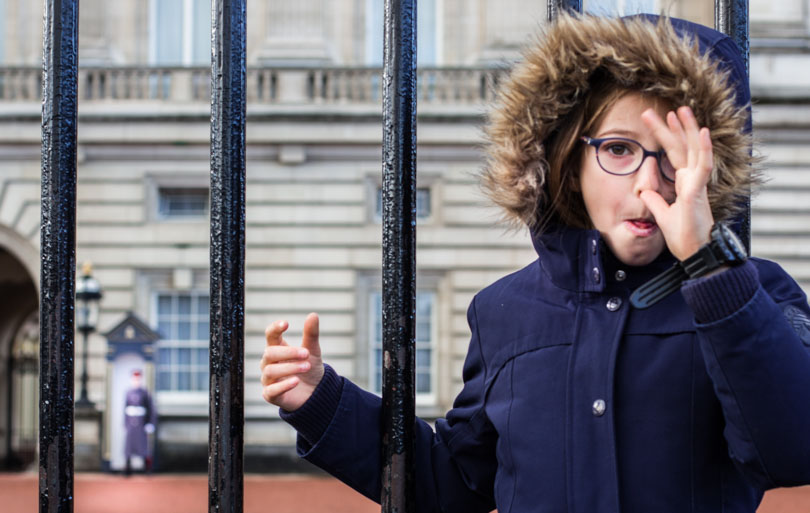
(19, 353)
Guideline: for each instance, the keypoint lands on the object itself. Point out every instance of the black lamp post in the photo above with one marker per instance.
(88, 295)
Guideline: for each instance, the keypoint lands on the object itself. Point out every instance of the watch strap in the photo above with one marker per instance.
(702, 262)
(659, 287)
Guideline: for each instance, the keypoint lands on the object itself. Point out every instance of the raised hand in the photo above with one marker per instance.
(290, 374)
(686, 224)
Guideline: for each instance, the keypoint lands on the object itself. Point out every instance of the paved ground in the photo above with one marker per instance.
(166, 493)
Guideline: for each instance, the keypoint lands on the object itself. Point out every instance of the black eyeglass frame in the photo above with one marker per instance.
(658, 155)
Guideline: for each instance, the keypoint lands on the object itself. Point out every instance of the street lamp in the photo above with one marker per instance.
(88, 295)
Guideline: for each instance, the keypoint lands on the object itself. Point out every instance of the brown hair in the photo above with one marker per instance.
(540, 109)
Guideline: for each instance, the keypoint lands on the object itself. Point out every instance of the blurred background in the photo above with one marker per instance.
(313, 198)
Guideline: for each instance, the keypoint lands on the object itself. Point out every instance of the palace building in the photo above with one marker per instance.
(313, 226)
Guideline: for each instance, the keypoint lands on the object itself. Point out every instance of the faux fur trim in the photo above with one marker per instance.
(641, 54)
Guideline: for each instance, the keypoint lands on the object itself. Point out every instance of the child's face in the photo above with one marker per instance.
(612, 201)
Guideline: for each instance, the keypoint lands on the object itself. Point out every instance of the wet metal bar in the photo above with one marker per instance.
(227, 268)
(731, 18)
(58, 255)
(399, 255)
(554, 6)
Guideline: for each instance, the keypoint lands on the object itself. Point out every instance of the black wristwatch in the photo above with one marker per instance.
(724, 248)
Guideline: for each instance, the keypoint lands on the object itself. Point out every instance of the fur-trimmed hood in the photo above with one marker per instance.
(679, 61)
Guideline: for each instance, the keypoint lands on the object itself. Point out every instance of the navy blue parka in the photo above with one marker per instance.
(573, 400)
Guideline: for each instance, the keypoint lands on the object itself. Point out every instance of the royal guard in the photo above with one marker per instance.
(139, 420)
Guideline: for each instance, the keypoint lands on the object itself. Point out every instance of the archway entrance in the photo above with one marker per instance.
(19, 364)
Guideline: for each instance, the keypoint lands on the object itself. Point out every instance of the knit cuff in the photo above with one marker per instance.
(715, 297)
(314, 416)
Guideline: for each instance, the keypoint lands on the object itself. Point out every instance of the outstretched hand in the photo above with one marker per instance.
(290, 374)
(687, 222)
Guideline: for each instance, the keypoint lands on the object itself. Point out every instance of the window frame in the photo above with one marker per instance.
(377, 209)
(187, 35)
(176, 395)
(431, 281)
(422, 399)
(428, 178)
(164, 216)
(157, 181)
(375, 28)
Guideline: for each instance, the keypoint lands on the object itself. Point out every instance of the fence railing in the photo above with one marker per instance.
(264, 85)
(62, 86)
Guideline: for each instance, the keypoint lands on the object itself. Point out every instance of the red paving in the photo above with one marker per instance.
(167, 493)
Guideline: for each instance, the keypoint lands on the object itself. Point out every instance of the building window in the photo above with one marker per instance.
(621, 7)
(427, 29)
(426, 335)
(179, 202)
(182, 322)
(180, 32)
(422, 204)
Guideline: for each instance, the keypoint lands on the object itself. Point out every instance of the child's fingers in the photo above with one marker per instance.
(273, 333)
(705, 162)
(272, 391)
(676, 127)
(670, 140)
(687, 118)
(656, 204)
(278, 371)
(310, 338)
(274, 354)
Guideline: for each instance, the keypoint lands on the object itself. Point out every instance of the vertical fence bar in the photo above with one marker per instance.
(731, 18)
(58, 255)
(226, 409)
(399, 257)
(554, 6)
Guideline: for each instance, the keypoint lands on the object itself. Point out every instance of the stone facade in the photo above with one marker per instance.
(313, 173)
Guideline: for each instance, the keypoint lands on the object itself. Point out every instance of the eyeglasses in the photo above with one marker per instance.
(621, 156)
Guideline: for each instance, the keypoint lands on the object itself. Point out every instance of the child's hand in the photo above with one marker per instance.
(687, 223)
(290, 374)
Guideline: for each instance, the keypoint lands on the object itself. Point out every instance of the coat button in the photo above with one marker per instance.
(599, 408)
(596, 274)
(593, 246)
(614, 304)
(620, 275)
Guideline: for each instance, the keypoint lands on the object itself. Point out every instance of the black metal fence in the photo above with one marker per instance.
(399, 254)
(59, 125)
(227, 268)
(58, 258)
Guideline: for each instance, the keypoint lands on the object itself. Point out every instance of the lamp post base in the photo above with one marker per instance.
(85, 403)
(88, 436)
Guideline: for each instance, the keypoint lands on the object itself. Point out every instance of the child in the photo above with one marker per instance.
(622, 145)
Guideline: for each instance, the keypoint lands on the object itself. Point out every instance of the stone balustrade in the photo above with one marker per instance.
(288, 86)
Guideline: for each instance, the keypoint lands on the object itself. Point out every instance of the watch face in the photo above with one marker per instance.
(733, 248)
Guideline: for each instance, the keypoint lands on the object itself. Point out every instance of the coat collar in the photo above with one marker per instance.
(579, 260)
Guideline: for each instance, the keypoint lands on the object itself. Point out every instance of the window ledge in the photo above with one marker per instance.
(181, 401)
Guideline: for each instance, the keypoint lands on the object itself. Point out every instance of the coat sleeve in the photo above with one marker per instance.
(455, 465)
(753, 324)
